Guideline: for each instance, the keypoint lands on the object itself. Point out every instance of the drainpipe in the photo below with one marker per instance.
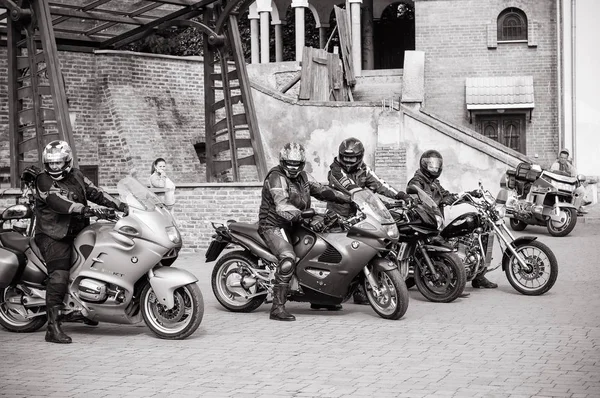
(559, 49)
(573, 81)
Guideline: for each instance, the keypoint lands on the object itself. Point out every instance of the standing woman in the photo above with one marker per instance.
(159, 179)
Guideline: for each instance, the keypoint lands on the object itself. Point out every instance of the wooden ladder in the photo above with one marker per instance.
(37, 103)
(232, 134)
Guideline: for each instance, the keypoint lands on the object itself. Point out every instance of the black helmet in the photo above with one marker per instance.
(292, 159)
(58, 151)
(431, 163)
(351, 154)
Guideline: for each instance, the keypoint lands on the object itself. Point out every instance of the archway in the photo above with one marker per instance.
(394, 33)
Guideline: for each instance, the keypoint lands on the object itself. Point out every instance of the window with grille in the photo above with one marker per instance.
(512, 25)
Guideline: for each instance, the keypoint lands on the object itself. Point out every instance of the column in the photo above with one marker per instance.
(323, 36)
(299, 7)
(356, 39)
(278, 43)
(368, 54)
(254, 34)
(264, 37)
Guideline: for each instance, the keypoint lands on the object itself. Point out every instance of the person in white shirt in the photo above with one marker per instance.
(159, 179)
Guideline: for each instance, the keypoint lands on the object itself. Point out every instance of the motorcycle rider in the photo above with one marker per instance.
(286, 193)
(564, 166)
(426, 178)
(61, 207)
(349, 172)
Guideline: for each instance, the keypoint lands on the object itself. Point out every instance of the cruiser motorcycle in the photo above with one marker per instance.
(438, 273)
(529, 265)
(120, 272)
(331, 264)
(541, 197)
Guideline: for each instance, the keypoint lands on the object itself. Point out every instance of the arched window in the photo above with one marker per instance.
(512, 25)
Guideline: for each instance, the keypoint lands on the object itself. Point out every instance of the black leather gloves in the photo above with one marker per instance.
(448, 200)
(100, 212)
(403, 196)
(124, 208)
(317, 223)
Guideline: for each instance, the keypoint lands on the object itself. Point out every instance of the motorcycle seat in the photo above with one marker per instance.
(15, 240)
(249, 230)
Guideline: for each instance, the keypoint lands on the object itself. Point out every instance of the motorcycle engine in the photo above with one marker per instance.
(92, 290)
(468, 251)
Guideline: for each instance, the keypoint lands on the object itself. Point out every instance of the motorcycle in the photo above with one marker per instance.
(120, 272)
(331, 264)
(20, 216)
(437, 272)
(530, 266)
(541, 197)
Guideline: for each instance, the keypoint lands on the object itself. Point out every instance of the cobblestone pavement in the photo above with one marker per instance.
(495, 343)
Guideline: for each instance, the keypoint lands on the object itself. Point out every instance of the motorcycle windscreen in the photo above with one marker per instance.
(137, 195)
(371, 205)
(427, 209)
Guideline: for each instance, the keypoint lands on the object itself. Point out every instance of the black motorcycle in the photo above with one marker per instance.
(331, 264)
(433, 267)
(529, 265)
(20, 216)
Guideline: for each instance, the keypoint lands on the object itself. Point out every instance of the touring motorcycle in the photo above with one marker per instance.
(530, 266)
(541, 197)
(120, 272)
(434, 268)
(330, 265)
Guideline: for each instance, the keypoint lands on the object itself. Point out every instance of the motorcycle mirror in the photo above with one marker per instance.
(411, 190)
(308, 213)
(581, 177)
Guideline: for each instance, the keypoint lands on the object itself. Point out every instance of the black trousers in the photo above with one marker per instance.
(57, 254)
(282, 249)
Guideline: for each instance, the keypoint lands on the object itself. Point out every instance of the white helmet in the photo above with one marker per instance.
(58, 151)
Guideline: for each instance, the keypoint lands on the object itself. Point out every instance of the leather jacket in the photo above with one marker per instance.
(431, 186)
(345, 182)
(284, 198)
(59, 204)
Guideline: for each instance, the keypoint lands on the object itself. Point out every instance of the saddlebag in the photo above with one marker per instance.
(11, 265)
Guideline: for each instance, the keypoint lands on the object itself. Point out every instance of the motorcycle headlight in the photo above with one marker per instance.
(392, 231)
(501, 211)
(440, 221)
(173, 234)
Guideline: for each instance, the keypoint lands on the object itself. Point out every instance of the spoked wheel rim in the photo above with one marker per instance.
(176, 319)
(538, 271)
(387, 301)
(10, 315)
(229, 276)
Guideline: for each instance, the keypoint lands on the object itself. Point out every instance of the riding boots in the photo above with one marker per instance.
(481, 282)
(278, 311)
(54, 333)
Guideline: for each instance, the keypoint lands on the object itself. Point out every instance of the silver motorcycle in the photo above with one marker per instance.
(120, 274)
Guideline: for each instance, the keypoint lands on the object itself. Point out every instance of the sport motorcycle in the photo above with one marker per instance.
(331, 264)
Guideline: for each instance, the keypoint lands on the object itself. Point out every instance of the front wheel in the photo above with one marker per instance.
(568, 219)
(540, 274)
(178, 322)
(13, 317)
(389, 299)
(517, 225)
(450, 280)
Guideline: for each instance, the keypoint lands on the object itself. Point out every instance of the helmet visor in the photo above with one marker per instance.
(433, 164)
(293, 166)
(350, 159)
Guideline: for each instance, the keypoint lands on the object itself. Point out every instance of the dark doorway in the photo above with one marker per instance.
(393, 34)
(509, 130)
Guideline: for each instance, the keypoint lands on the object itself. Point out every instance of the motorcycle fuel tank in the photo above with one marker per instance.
(462, 225)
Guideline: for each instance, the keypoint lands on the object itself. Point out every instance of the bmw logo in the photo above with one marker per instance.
(134, 260)
(355, 245)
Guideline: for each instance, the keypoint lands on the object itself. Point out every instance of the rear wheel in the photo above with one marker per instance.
(178, 322)
(450, 281)
(13, 316)
(389, 299)
(233, 283)
(568, 219)
(517, 225)
(540, 274)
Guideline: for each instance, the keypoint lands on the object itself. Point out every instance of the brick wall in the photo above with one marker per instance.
(390, 165)
(453, 35)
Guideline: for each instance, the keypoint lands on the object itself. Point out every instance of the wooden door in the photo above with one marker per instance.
(509, 130)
